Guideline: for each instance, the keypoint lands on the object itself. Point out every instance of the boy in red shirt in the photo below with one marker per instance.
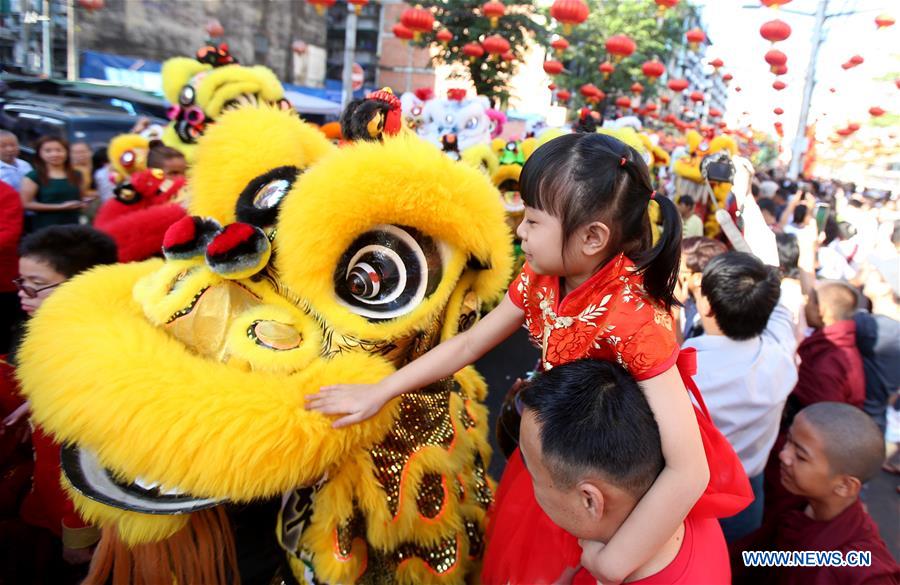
(592, 448)
(832, 449)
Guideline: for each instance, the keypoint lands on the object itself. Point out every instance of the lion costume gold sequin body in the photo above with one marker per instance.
(179, 385)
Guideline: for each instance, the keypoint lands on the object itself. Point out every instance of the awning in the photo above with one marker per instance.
(307, 104)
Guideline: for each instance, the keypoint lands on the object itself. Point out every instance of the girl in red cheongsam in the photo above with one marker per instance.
(593, 286)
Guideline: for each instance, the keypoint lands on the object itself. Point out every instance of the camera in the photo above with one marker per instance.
(717, 168)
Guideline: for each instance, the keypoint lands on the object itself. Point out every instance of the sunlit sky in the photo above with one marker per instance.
(733, 26)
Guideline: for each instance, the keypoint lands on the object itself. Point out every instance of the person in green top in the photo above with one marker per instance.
(53, 189)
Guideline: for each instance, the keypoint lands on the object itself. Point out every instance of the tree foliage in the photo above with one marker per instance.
(655, 34)
(463, 18)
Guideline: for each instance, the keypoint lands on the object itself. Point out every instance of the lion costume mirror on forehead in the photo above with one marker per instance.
(179, 384)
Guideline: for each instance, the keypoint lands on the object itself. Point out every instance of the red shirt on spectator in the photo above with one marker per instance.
(831, 368)
(12, 215)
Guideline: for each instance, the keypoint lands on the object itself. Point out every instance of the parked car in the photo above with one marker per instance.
(125, 99)
(70, 119)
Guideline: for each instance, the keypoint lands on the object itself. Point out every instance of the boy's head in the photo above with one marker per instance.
(788, 255)
(9, 146)
(589, 468)
(769, 211)
(686, 206)
(800, 214)
(832, 302)
(832, 449)
(696, 252)
(169, 160)
(737, 295)
(50, 256)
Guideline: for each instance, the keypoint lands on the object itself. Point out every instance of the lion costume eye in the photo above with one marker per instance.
(387, 272)
(259, 201)
(187, 95)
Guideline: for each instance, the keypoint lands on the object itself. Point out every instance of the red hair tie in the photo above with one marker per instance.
(653, 195)
(622, 162)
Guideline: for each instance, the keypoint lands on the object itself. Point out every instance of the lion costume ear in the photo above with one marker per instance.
(176, 73)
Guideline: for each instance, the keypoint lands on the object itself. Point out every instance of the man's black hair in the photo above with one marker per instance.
(686, 200)
(788, 255)
(768, 205)
(595, 420)
(800, 214)
(69, 249)
(742, 292)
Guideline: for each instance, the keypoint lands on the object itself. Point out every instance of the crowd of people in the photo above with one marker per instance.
(695, 403)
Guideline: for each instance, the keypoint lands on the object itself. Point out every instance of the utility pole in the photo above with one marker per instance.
(71, 53)
(349, 50)
(800, 140)
(47, 60)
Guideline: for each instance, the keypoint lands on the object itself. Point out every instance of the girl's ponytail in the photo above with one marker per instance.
(660, 264)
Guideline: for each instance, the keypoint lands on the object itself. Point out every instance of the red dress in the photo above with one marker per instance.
(609, 317)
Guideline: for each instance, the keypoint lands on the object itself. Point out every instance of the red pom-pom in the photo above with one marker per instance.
(233, 235)
(180, 233)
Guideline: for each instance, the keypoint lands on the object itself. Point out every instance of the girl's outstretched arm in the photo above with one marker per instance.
(682, 481)
(361, 401)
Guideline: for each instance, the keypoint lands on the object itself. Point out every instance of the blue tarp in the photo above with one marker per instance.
(143, 74)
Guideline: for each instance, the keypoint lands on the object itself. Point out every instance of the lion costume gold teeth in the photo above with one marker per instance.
(179, 384)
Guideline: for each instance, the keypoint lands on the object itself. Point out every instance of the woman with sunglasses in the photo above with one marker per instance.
(52, 191)
(47, 259)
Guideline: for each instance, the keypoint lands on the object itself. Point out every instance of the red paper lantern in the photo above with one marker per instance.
(738, 89)
(569, 13)
(884, 20)
(402, 32)
(606, 68)
(717, 63)
(552, 67)
(473, 50)
(664, 4)
(845, 132)
(620, 46)
(778, 111)
(775, 58)
(495, 45)
(697, 96)
(563, 95)
(444, 36)
(775, 3)
(832, 90)
(897, 82)
(508, 56)
(651, 107)
(600, 95)
(775, 30)
(493, 9)
(853, 126)
(551, 86)
(678, 84)
(623, 102)
(778, 85)
(727, 77)
(653, 70)
(560, 45)
(98, 4)
(779, 70)
(876, 111)
(715, 113)
(417, 20)
(589, 90)
(358, 5)
(694, 37)
(665, 99)
(856, 60)
(723, 124)
(322, 5)
(637, 88)
(846, 65)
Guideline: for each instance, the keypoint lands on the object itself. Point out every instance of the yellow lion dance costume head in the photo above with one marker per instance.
(689, 178)
(202, 89)
(178, 384)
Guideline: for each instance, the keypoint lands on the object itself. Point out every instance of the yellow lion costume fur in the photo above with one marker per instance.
(178, 384)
